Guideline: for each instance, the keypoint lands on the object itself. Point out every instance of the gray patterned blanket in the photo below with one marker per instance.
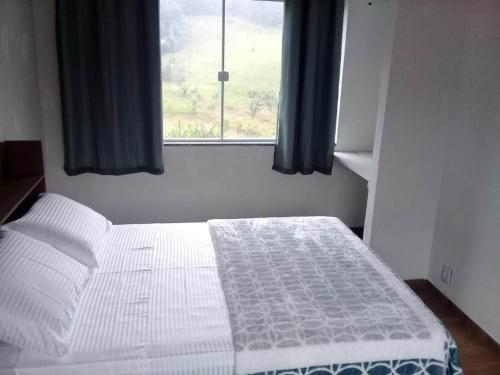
(305, 295)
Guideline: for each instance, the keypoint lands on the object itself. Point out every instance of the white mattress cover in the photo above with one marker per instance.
(155, 305)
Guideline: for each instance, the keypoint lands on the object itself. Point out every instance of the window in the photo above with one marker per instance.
(200, 41)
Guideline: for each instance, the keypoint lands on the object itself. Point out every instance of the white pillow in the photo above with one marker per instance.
(39, 293)
(68, 226)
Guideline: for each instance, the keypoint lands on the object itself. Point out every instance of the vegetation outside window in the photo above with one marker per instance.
(201, 40)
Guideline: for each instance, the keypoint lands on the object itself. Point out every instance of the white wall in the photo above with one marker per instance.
(435, 198)
(19, 102)
(409, 152)
(200, 182)
(369, 29)
(467, 234)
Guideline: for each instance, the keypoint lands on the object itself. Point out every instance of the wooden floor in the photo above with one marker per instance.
(478, 354)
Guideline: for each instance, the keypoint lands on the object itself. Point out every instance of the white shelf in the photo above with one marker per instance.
(358, 162)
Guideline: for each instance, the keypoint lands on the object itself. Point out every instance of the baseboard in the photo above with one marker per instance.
(418, 284)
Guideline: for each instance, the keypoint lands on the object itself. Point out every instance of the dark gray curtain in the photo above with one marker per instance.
(312, 46)
(110, 73)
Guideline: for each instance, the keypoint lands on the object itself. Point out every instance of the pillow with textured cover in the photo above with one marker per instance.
(70, 227)
(40, 291)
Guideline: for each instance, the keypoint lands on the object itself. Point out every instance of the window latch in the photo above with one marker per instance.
(223, 76)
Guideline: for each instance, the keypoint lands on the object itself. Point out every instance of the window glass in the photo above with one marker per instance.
(253, 60)
(191, 56)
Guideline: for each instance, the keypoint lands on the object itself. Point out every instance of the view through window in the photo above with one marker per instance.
(199, 39)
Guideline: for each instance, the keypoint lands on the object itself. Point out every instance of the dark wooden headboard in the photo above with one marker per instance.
(21, 177)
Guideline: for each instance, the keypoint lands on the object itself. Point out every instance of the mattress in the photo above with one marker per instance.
(187, 299)
(154, 306)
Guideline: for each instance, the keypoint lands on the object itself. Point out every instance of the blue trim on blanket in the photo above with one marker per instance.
(399, 367)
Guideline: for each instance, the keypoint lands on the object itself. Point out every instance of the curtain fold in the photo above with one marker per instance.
(312, 48)
(110, 75)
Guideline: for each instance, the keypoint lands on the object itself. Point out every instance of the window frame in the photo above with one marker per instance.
(220, 140)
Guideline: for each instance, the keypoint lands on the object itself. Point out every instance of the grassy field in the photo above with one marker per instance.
(191, 91)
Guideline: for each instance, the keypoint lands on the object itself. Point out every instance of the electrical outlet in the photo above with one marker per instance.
(446, 272)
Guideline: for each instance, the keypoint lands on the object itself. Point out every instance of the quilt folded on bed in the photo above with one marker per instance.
(305, 295)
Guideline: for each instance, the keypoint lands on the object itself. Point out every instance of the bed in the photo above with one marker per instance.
(249, 296)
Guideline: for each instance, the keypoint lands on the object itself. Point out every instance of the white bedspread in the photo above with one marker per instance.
(155, 306)
(306, 292)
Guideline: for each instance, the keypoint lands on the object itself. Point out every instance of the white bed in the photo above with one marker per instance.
(158, 304)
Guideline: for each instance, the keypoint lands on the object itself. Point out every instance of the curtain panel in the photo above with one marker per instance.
(312, 49)
(110, 75)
